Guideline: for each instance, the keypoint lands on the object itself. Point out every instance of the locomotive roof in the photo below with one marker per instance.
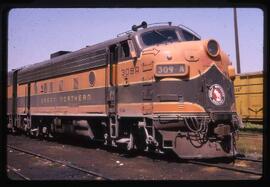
(73, 54)
(52, 67)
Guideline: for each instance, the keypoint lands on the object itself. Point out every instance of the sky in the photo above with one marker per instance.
(33, 34)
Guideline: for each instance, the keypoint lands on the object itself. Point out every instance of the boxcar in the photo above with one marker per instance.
(249, 96)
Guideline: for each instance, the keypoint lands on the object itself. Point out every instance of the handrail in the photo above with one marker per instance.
(126, 32)
(169, 23)
(130, 31)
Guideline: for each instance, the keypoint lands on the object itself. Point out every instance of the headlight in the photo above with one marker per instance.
(212, 48)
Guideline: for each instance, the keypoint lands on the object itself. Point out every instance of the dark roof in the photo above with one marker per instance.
(85, 58)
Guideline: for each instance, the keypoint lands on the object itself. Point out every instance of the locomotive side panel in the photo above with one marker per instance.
(9, 99)
(9, 92)
(22, 94)
(129, 94)
(79, 93)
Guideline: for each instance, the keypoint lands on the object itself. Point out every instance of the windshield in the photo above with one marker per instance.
(159, 36)
(188, 36)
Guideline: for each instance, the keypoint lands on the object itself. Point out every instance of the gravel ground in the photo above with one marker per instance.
(251, 144)
(111, 163)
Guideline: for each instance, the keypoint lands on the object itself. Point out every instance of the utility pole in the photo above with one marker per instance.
(238, 68)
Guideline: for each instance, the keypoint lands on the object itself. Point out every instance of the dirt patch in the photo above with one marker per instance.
(210, 169)
(241, 164)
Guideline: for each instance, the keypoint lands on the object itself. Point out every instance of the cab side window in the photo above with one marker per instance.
(124, 51)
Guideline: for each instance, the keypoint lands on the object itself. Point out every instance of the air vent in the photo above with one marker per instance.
(59, 53)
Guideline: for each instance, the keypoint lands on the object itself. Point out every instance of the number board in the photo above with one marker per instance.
(171, 69)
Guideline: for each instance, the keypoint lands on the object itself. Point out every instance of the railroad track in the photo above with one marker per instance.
(55, 161)
(229, 167)
(14, 170)
(248, 159)
(202, 163)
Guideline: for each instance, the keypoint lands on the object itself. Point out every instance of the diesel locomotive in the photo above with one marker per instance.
(157, 87)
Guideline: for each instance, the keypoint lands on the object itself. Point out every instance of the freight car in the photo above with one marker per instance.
(159, 88)
(248, 88)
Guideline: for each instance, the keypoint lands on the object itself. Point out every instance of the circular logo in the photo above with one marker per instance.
(216, 94)
(92, 78)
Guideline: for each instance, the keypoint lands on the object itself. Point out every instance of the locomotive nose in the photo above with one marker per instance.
(186, 59)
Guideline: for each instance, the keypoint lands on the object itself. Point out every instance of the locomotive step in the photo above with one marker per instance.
(123, 140)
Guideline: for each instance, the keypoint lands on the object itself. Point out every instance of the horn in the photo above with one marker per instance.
(143, 25)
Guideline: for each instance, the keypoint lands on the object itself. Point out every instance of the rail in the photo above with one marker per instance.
(231, 168)
(14, 170)
(59, 162)
(248, 159)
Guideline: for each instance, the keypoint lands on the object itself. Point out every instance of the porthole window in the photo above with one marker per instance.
(92, 78)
